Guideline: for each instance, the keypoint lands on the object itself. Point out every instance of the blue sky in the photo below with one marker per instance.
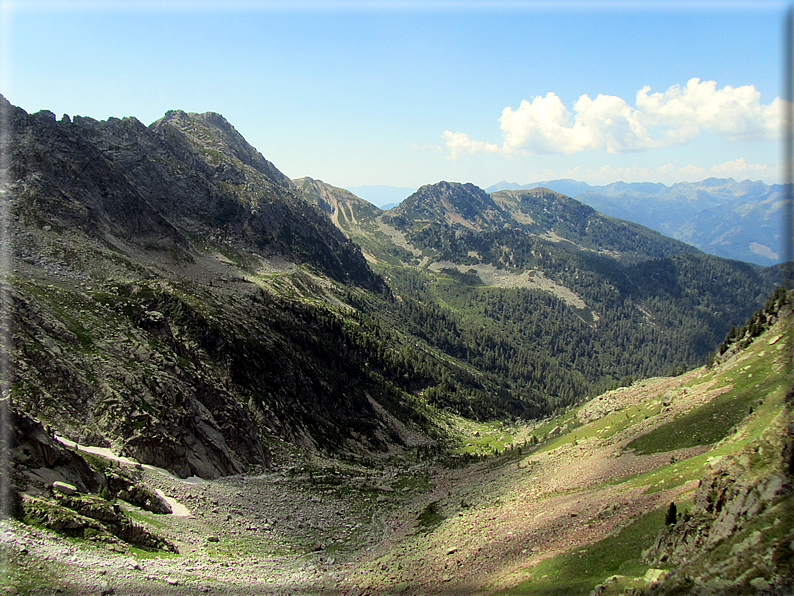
(405, 94)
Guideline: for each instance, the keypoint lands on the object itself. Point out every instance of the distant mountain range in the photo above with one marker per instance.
(735, 220)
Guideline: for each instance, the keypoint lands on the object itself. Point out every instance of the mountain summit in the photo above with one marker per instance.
(458, 205)
(227, 149)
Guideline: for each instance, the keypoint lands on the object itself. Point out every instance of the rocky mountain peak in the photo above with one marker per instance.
(458, 204)
(220, 144)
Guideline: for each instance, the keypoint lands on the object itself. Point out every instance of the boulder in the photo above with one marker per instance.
(64, 488)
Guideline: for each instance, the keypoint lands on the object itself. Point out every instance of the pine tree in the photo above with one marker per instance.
(672, 515)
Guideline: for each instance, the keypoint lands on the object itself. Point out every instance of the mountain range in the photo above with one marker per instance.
(181, 299)
(723, 217)
(735, 220)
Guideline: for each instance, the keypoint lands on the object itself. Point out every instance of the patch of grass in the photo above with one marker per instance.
(673, 475)
(717, 419)
(578, 571)
(414, 482)
(76, 327)
(603, 428)
(492, 437)
(145, 518)
(99, 462)
(752, 432)
(139, 553)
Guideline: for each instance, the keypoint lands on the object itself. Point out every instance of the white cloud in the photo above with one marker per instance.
(741, 170)
(731, 112)
(541, 126)
(459, 142)
(607, 123)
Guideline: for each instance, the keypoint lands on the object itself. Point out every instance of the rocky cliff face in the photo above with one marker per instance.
(185, 174)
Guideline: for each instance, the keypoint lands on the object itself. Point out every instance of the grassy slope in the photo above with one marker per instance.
(743, 416)
(534, 521)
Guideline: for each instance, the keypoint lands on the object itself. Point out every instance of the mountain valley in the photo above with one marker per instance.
(570, 504)
(446, 397)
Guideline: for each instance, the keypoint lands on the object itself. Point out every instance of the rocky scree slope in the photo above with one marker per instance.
(348, 212)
